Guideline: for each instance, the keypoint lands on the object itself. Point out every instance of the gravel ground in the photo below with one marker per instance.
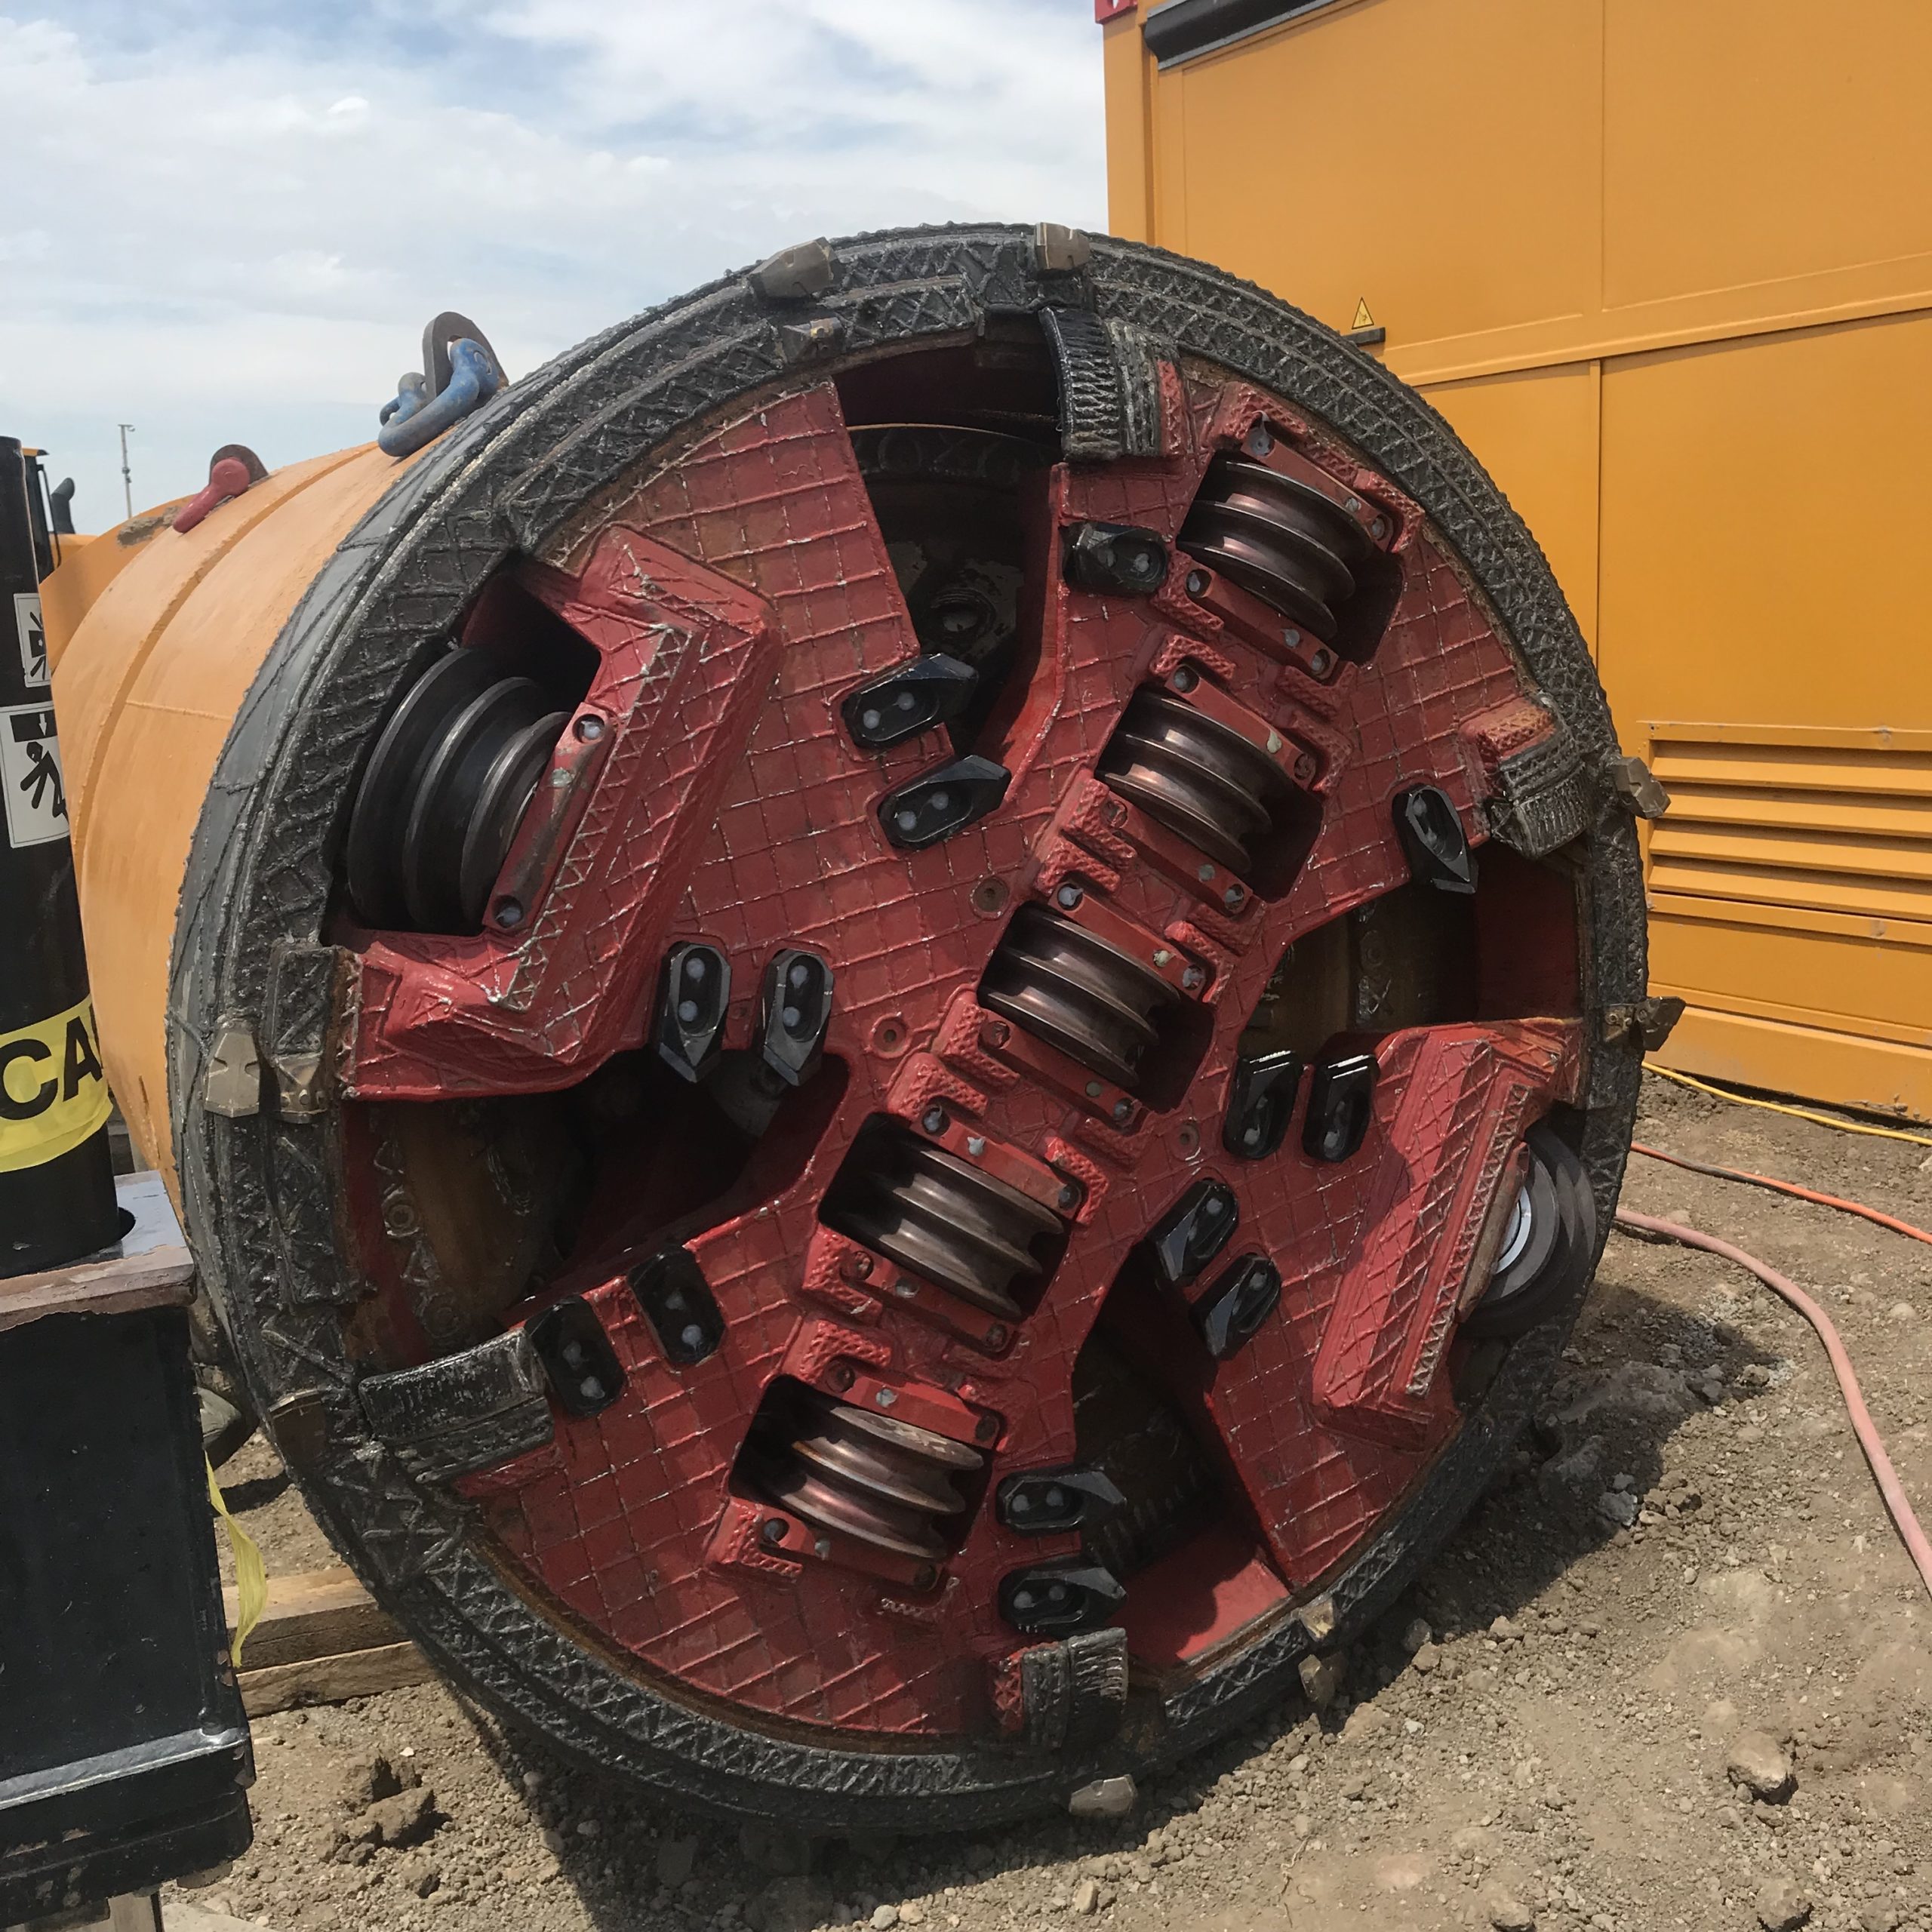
(1675, 1672)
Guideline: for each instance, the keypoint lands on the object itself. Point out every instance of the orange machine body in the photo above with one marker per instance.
(155, 636)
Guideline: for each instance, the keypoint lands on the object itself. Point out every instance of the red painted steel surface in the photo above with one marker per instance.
(735, 598)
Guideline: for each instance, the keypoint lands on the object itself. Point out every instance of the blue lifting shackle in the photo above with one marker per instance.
(462, 374)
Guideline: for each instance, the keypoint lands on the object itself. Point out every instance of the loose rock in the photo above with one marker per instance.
(1321, 1679)
(368, 1777)
(1757, 1763)
(1507, 1913)
(794, 1903)
(406, 1819)
(418, 1876)
(1086, 1898)
(1105, 1798)
(1782, 1907)
(677, 1858)
(1618, 1506)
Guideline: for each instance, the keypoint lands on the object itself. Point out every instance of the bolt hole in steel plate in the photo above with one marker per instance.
(706, 531)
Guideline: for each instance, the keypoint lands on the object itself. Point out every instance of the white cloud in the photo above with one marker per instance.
(259, 209)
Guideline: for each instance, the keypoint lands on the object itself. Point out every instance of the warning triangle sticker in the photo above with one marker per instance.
(1364, 320)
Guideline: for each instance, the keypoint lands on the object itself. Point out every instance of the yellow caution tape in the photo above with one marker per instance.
(251, 1576)
(52, 1093)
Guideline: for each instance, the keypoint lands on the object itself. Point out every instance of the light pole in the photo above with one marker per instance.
(127, 475)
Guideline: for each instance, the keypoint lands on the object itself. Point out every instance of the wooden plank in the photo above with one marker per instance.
(315, 1613)
(162, 1277)
(322, 1638)
(330, 1680)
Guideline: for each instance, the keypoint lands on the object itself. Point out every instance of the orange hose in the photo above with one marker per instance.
(1791, 1188)
(1869, 1438)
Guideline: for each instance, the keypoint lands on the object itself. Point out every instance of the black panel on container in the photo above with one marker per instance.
(1193, 27)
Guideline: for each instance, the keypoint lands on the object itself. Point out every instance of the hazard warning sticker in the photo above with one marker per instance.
(53, 1091)
(30, 772)
(32, 632)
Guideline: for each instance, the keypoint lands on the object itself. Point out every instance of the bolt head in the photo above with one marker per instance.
(508, 913)
(772, 1531)
(1197, 583)
(934, 1120)
(1123, 1110)
(1067, 896)
(1185, 678)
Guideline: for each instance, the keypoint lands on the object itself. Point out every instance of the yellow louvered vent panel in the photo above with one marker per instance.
(1828, 822)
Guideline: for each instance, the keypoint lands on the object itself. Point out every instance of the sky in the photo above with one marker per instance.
(241, 213)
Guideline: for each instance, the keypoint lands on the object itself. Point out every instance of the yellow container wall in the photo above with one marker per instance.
(1668, 270)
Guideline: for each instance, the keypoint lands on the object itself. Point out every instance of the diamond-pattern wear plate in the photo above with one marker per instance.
(618, 1532)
